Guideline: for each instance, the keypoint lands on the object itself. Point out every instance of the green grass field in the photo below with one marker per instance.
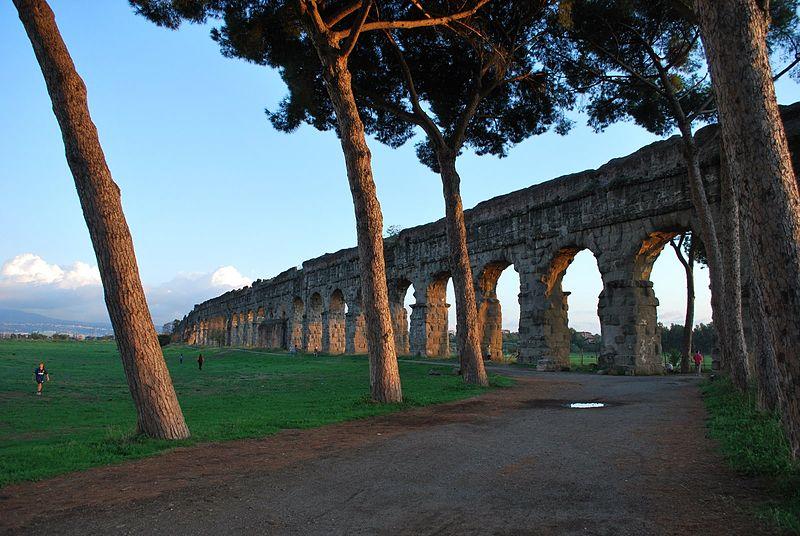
(86, 418)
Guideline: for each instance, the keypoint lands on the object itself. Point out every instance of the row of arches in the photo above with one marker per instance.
(421, 314)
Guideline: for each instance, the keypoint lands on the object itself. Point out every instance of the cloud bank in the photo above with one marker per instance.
(74, 292)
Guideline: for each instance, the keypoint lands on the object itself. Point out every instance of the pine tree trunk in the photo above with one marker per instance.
(732, 340)
(688, 324)
(384, 374)
(159, 414)
(769, 396)
(730, 247)
(469, 339)
(734, 37)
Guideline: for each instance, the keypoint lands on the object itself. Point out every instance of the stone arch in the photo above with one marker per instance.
(490, 315)
(628, 305)
(334, 324)
(249, 323)
(355, 325)
(649, 250)
(296, 329)
(235, 330)
(437, 336)
(217, 330)
(398, 288)
(313, 327)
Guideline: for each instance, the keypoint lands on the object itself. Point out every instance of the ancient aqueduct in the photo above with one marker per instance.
(624, 212)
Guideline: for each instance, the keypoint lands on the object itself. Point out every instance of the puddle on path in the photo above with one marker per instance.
(553, 403)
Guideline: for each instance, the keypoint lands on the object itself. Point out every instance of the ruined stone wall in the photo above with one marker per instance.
(624, 213)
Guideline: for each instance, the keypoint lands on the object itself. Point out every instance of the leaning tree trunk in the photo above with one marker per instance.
(469, 339)
(384, 374)
(159, 414)
(733, 342)
(734, 38)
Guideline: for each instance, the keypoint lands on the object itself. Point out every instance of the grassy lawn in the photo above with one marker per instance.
(754, 443)
(86, 418)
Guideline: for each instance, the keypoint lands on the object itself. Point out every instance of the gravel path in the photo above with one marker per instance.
(515, 461)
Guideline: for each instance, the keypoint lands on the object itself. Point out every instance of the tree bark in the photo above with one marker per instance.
(159, 414)
(469, 339)
(769, 395)
(384, 374)
(734, 38)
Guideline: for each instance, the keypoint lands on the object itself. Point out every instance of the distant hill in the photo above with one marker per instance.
(14, 321)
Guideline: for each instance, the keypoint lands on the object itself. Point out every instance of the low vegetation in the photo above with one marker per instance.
(754, 443)
(86, 418)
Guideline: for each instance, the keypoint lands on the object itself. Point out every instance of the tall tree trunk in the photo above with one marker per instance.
(732, 340)
(159, 414)
(688, 324)
(769, 392)
(734, 38)
(469, 339)
(384, 374)
(731, 250)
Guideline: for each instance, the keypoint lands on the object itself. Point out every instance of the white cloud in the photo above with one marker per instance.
(81, 275)
(228, 276)
(175, 298)
(30, 269)
(30, 283)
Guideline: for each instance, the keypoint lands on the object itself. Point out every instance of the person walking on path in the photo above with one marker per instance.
(698, 361)
(40, 375)
(200, 361)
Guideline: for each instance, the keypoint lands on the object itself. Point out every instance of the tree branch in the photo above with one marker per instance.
(678, 252)
(420, 23)
(343, 13)
(427, 125)
(356, 30)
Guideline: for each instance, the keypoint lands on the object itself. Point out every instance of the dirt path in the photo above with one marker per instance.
(514, 461)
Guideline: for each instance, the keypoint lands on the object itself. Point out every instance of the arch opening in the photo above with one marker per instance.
(573, 286)
(398, 296)
(668, 276)
(498, 311)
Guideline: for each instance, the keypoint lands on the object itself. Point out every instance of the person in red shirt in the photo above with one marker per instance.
(698, 361)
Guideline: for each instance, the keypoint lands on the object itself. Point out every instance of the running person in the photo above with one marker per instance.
(40, 375)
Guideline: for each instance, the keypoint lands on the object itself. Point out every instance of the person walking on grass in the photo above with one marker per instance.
(181, 358)
(200, 361)
(40, 375)
(698, 361)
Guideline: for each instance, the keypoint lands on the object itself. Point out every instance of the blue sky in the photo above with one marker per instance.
(208, 184)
